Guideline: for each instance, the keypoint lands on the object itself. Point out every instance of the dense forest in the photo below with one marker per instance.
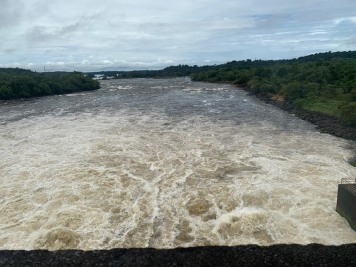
(324, 82)
(21, 83)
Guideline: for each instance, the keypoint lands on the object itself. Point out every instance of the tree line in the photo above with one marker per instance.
(21, 83)
(323, 82)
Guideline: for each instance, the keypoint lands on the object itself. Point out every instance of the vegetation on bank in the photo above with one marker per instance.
(323, 85)
(21, 83)
(169, 72)
(324, 82)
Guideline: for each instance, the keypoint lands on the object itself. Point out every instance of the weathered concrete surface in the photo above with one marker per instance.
(346, 203)
(251, 255)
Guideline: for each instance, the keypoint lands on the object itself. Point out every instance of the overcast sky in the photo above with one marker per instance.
(91, 35)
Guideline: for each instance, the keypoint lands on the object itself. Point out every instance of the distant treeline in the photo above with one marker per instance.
(21, 83)
(319, 83)
(324, 82)
(169, 72)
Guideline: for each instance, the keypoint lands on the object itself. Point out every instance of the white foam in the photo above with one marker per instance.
(101, 181)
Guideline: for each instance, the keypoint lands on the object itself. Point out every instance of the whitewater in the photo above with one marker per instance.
(164, 164)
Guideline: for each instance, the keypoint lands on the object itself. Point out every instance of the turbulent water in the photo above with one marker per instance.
(165, 163)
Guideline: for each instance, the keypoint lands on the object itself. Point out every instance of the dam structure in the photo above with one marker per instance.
(346, 201)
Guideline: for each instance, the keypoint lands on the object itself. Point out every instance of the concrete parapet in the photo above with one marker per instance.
(346, 203)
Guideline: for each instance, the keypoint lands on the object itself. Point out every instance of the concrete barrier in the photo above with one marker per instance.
(346, 203)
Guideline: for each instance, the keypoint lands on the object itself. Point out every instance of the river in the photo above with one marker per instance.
(163, 164)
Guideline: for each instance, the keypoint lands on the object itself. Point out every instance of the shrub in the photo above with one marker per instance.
(348, 113)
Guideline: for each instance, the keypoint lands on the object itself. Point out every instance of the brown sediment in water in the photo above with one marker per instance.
(323, 122)
(250, 255)
(124, 178)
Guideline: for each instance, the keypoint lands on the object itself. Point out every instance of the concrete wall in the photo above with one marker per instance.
(346, 203)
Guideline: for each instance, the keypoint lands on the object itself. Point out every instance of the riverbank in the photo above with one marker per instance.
(20, 83)
(323, 122)
(250, 255)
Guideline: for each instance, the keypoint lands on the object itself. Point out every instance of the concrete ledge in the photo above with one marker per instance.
(346, 203)
(250, 255)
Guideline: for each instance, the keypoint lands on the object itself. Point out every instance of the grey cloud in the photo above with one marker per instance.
(120, 33)
(10, 50)
(43, 33)
(10, 13)
(351, 41)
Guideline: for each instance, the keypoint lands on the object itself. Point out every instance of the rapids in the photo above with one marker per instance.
(163, 164)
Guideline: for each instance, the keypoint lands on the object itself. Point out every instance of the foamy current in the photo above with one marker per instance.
(165, 163)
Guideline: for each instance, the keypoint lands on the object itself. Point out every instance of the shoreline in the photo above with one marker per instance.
(244, 255)
(323, 122)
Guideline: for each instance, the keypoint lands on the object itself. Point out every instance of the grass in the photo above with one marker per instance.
(352, 161)
(326, 106)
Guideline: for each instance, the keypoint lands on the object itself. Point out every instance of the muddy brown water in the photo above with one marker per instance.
(163, 164)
